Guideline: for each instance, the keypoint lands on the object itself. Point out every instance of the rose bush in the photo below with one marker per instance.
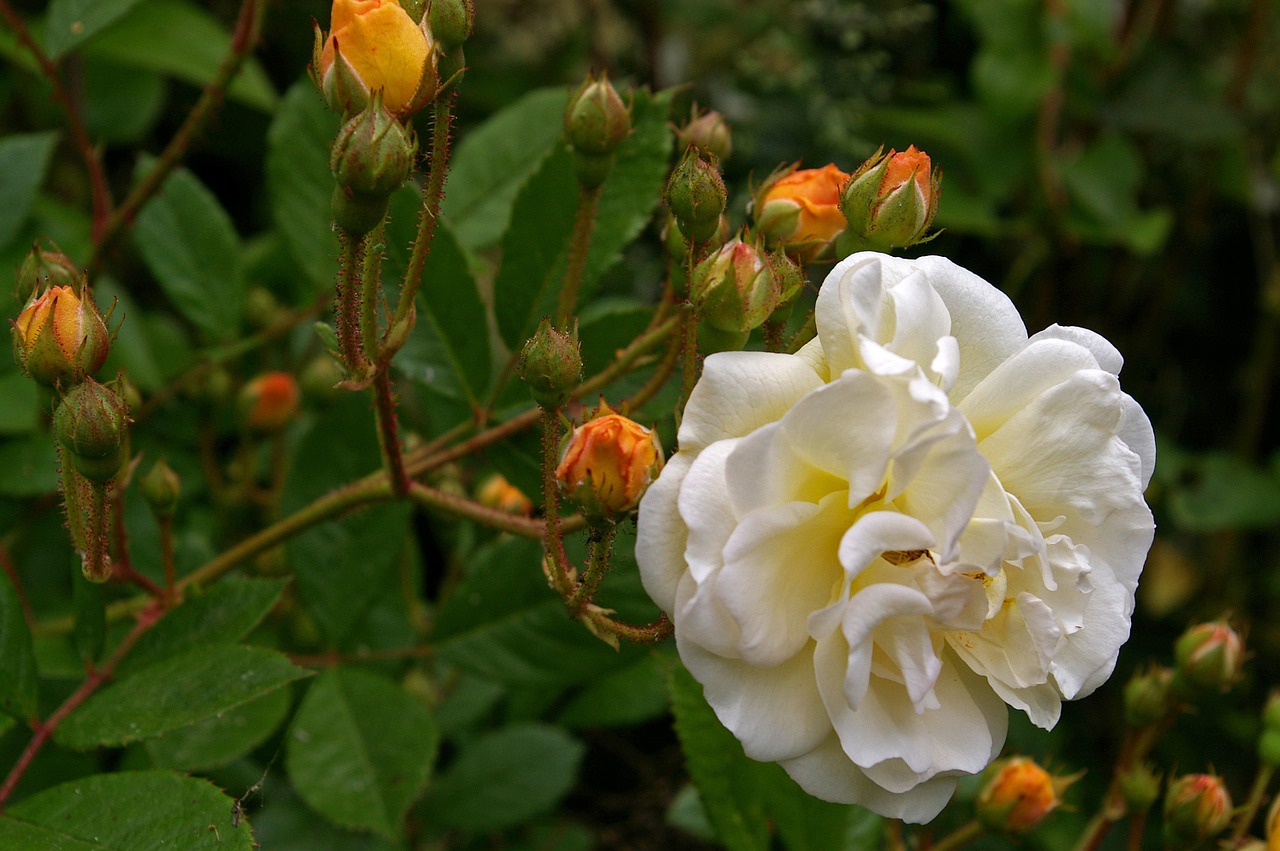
(871, 546)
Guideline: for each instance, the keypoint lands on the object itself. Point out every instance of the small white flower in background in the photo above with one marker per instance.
(868, 548)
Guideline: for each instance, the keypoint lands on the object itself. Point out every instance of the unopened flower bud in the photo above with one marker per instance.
(320, 378)
(1269, 740)
(1208, 657)
(1197, 807)
(270, 401)
(375, 46)
(551, 364)
(496, 492)
(451, 21)
(678, 247)
(707, 132)
(596, 122)
(161, 487)
(696, 196)
(1140, 787)
(890, 201)
(90, 424)
(1017, 794)
(608, 464)
(44, 270)
(60, 337)
(734, 288)
(372, 155)
(1148, 697)
(799, 210)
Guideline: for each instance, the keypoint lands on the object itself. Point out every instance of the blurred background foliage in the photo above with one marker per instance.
(1108, 163)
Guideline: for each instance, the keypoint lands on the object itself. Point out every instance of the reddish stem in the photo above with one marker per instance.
(14, 579)
(147, 618)
(388, 431)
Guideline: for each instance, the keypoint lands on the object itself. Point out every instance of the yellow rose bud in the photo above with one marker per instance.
(60, 337)
(799, 210)
(608, 464)
(269, 401)
(1017, 795)
(497, 492)
(375, 46)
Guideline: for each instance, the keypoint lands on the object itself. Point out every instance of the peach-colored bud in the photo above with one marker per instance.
(1017, 795)
(608, 464)
(374, 45)
(269, 401)
(1196, 807)
(799, 210)
(496, 492)
(891, 200)
(60, 337)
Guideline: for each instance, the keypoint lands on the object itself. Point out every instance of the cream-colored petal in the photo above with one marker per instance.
(741, 391)
(661, 535)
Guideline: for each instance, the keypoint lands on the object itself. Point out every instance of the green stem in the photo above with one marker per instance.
(689, 373)
(1247, 813)
(245, 35)
(601, 540)
(553, 539)
(442, 119)
(370, 290)
(960, 837)
(347, 311)
(96, 560)
(166, 557)
(579, 244)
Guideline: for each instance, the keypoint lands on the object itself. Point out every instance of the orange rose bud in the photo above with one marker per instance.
(1018, 794)
(496, 492)
(269, 402)
(608, 463)
(1197, 807)
(374, 45)
(799, 210)
(891, 200)
(60, 337)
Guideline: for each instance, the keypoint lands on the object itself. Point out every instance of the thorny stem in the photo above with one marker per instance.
(553, 541)
(961, 836)
(347, 311)
(371, 291)
(248, 27)
(388, 431)
(469, 510)
(97, 562)
(44, 731)
(1133, 750)
(579, 243)
(16, 581)
(601, 540)
(101, 193)
(689, 353)
(442, 120)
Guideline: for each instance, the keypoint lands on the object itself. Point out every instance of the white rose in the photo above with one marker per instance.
(869, 547)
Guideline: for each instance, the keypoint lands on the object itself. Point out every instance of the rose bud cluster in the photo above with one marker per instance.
(890, 201)
(607, 465)
(798, 210)
(375, 46)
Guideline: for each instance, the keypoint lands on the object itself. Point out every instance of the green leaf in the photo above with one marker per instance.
(360, 749)
(1226, 493)
(127, 811)
(190, 245)
(343, 567)
(90, 632)
(224, 737)
(223, 614)
(73, 22)
(285, 823)
(507, 777)
(178, 691)
(19, 408)
(503, 623)
(448, 353)
(24, 157)
(541, 222)
(806, 823)
(623, 698)
(28, 466)
(726, 779)
(301, 185)
(181, 40)
(17, 659)
(492, 161)
(121, 104)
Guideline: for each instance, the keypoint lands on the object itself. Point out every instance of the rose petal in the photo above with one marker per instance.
(741, 391)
